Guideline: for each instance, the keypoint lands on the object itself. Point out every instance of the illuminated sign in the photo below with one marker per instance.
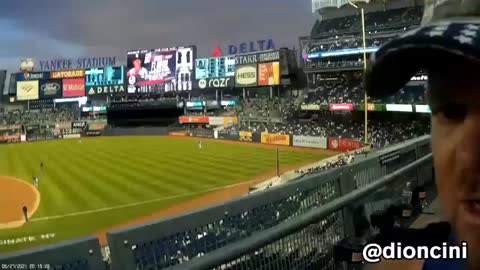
(216, 83)
(399, 108)
(423, 109)
(27, 90)
(269, 74)
(73, 87)
(67, 74)
(341, 107)
(32, 76)
(339, 53)
(210, 68)
(246, 76)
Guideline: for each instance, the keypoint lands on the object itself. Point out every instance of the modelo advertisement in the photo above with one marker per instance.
(310, 141)
(27, 90)
(246, 76)
(105, 81)
(340, 144)
(277, 139)
(51, 89)
(160, 70)
(269, 74)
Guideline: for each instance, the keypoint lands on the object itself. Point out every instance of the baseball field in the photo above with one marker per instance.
(91, 186)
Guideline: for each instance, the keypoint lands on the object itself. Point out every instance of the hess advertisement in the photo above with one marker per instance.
(160, 70)
(269, 74)
(27, 90)
(50, 89)
(246, 75)
(105, 81)
(74, 87)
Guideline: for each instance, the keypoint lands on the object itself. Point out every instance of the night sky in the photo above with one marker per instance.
(52, 29)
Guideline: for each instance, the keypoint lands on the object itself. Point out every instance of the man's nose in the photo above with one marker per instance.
(468, 152)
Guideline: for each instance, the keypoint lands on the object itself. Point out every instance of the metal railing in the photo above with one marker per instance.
(298, 243)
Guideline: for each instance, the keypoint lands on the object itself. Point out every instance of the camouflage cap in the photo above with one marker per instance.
(450, 28)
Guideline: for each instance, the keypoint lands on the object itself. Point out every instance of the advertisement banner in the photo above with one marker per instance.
(245, 136)
(79, 124)
(50, 89)
(65, 74)
(422, 109)
(399, 108)
(340, 144)
(71, 136)
(341, 107)
(32, 76)
(269, 74)
(93, 133)
(96, 126)
(194, 120)
(216, 83)
(277, 139)
(229, 121)
(74, 87)
(246, 76)
(27, 90)
(310, 141)
(310, 107)
(215, 121)
(213, 68)
(178, 134)
(160, 70)
(105, 81)
(10, 138)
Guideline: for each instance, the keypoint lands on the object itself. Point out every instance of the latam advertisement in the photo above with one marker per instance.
(310, 141)
(27, 90)
(340, 144)
(160, 70)
(246, 76)
(269, 74)
(277, 139)
(341, 107)
(194, 120)
(50, 89)
(105, 81)
(74, 87)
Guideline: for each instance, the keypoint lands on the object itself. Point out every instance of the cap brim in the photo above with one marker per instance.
(393, 65)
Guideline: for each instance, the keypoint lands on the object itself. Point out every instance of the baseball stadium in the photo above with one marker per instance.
(259, 158)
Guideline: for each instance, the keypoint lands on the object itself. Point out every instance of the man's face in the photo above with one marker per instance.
(137, 63)
(454, 97)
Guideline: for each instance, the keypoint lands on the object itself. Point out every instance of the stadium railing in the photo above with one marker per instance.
(83, 254)
(286, 227)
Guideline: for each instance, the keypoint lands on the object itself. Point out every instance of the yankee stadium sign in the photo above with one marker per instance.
(76, 63)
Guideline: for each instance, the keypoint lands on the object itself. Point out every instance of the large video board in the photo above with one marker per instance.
(213, 68)
(105, 81)
(160, 70)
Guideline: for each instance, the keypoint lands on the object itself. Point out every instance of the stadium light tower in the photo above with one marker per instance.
(355, 4)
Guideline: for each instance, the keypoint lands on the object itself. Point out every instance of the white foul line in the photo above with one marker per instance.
(132, 204)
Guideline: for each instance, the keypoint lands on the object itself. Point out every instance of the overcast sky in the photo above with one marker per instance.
(52, 29)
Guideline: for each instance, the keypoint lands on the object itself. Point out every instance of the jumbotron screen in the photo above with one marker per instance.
(212, 68)
(160, 70)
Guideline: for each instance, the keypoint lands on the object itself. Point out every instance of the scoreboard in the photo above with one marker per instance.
(211, 68)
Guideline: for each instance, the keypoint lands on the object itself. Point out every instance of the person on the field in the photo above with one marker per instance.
(35, 181)
(41, 166)
(447, 47)
(199, 144)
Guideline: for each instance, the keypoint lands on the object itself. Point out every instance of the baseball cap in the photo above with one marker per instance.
(450, 28)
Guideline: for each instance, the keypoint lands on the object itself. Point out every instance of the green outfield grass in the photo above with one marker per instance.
(90, 186)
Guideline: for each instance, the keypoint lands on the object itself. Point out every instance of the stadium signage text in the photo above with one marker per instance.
(51, 88)
(102, 90)
(310, 141)
(271, 56)
(278, 139)
(80, 124)
(215, 83)
(26, 239)
(34, 76)
(252, 46)
(341, 107)
(67, 74)
(340, 144)
(80, 63)
(246, 76)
